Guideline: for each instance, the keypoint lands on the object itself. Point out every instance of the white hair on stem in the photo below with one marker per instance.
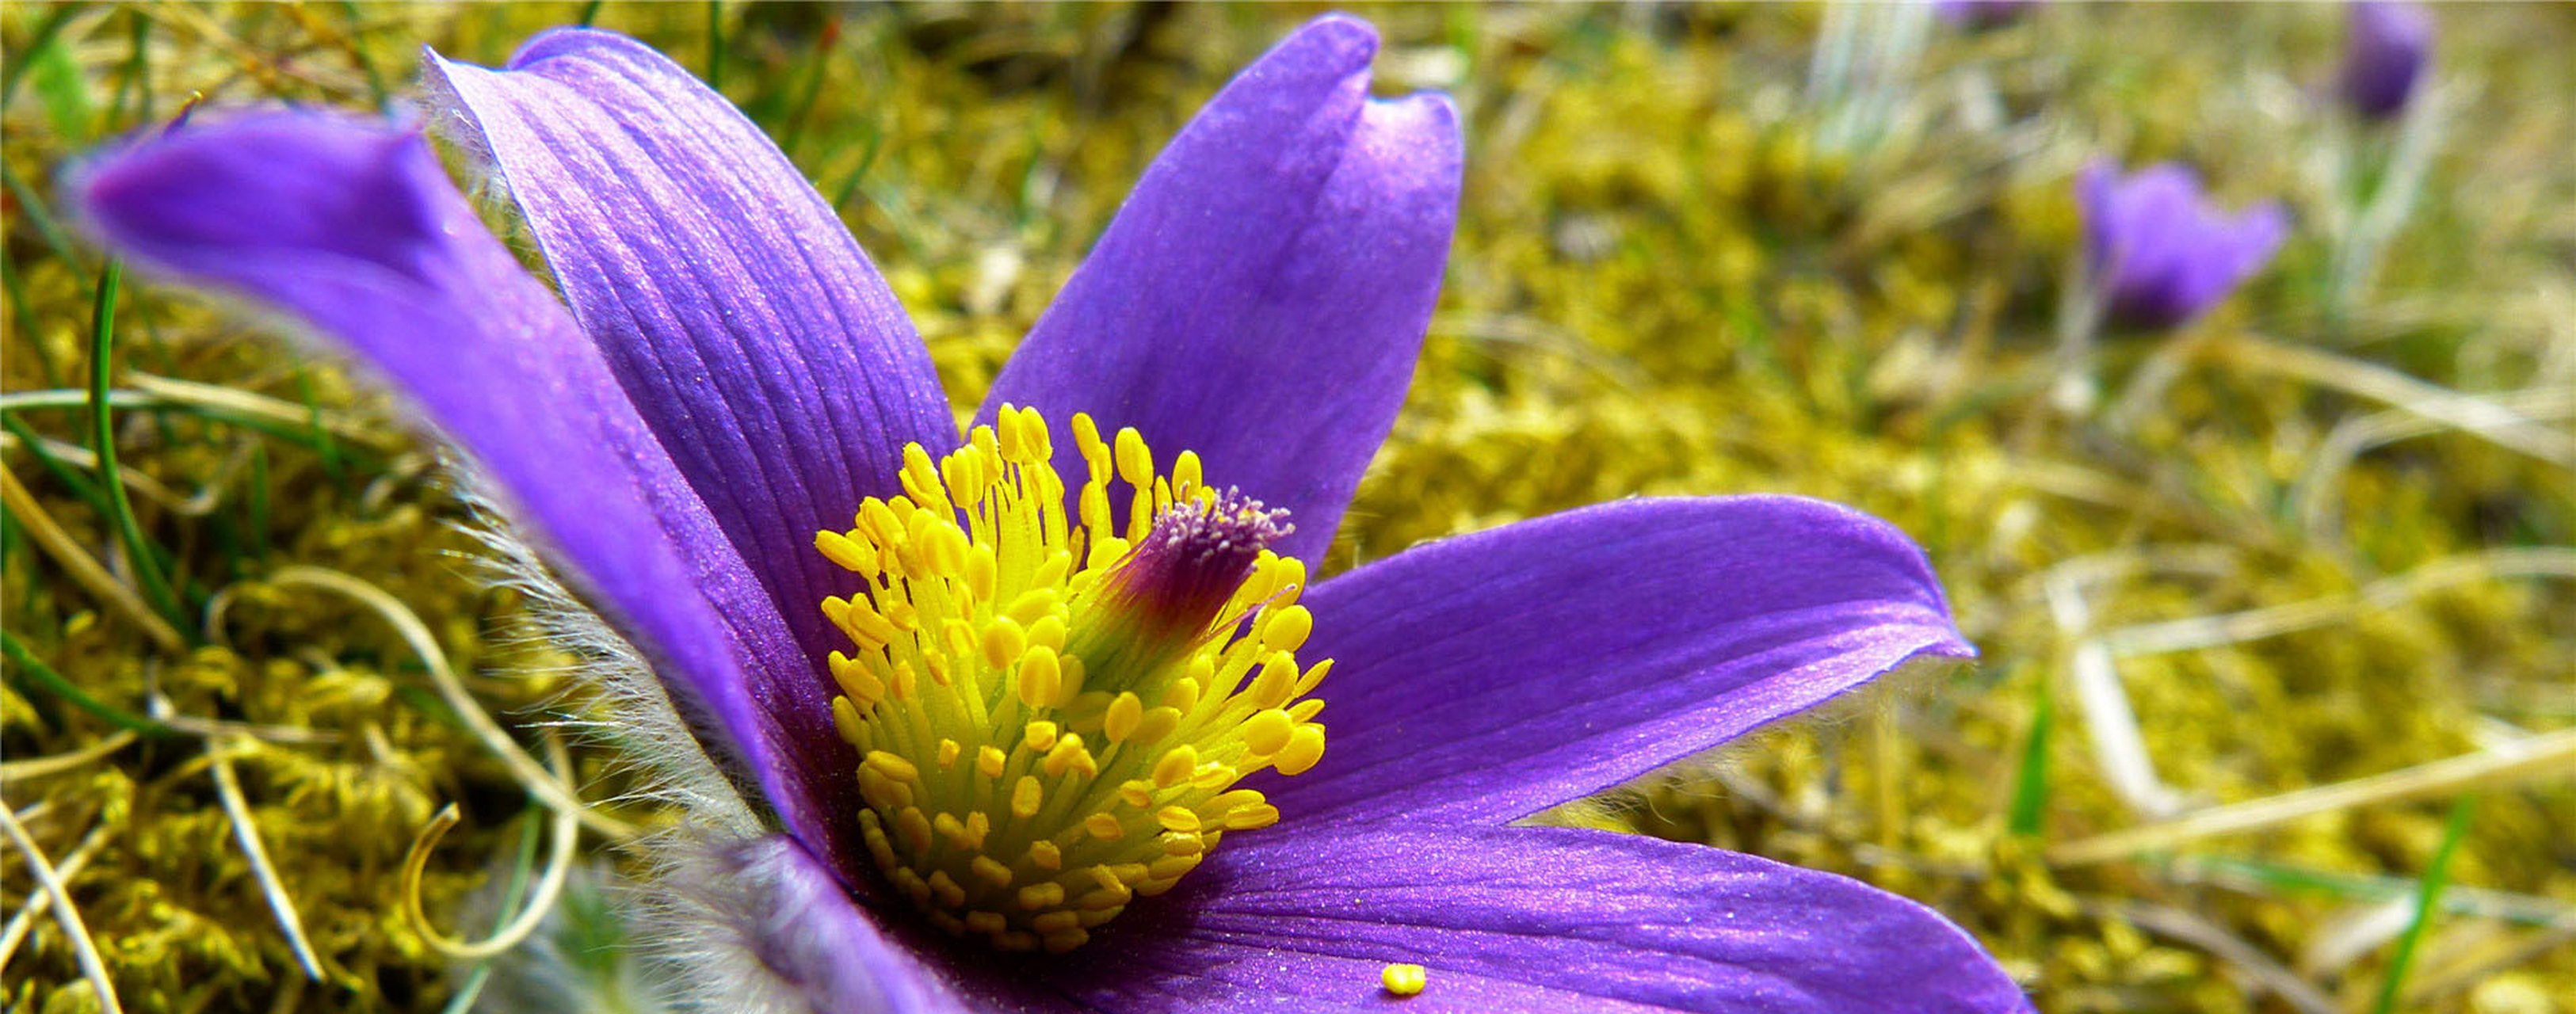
(693, 911)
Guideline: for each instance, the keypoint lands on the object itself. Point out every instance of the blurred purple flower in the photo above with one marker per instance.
(733, 376)
(2159, 253)
(1982, 14)
(2386, 45)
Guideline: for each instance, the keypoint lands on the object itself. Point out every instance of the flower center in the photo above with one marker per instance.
(1052, 713)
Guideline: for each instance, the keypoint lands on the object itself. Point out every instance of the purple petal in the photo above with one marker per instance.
(741, 318)
(1483, 678)
(1261, 297)
(352, 229)
(796, 923)
(1539, 919)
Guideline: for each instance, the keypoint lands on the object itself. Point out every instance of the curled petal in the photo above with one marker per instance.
(352, 229)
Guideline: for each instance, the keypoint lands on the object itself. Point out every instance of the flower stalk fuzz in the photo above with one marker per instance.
(1052, 713)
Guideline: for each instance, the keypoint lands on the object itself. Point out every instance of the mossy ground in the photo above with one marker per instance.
(1686, 263)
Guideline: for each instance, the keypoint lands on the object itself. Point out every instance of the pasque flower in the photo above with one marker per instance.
(1982, 14)
(2386, 45)
(2160, 253)
(1054, 684)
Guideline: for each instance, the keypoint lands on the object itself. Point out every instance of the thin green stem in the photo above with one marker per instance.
(715, 45)
(2435, 873)
(42, 675)
(129, 530)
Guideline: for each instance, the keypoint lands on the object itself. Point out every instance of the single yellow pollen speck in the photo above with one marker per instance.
(1030, 768)
(1404, 980)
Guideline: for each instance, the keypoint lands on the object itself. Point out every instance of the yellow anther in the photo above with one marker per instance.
(1168, 867)
(1158, 723)
(1041, 896)
(983, 569)
(1180, 844)
(1033, 435)
(1095, 916)
(1006, 425)
(947, 888)
(951, 828)
(845, 720)
(1104, 827)
(880, 521)
(1185, 475)
(1176, 765)
(1230, 800)
(1045, 855)
(1016, 940)
(1306, 710)
(989, 761)
(1056, 921)
(994, 873)
(948, 749)
(1040, 679)
(1136, 792)
(851, 556)
(1213, 776)
(1038, 736)
(1086, 439)
(1124, 713)
(1032, 605)
(1305, 747)
(891, 766)
(1135, 460)
(978, 826)
(862, 623)
(1048, 631)
(863, 687)
(1003, 641)
(1174, 818)
(1063, 756)
(987, 922)
(1404, 980)
(965, 477)
(1182, 695)
(1025, 797)
(1278, 678)
(1268, 730)
(914, 828)
(1287, 582)
(1251, 817)
(912, 885)
(1067, 940)
(1288, 628)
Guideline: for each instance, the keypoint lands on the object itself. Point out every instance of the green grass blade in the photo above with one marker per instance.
(37, 672)
(2030, 785)
(146, 561)
(2434, 874)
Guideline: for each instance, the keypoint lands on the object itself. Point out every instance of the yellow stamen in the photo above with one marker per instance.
(1043, 735)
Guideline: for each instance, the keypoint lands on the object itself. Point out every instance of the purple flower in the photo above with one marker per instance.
(2160, 254)
(1020, 684)
(2386, 45)
(1982, 14)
